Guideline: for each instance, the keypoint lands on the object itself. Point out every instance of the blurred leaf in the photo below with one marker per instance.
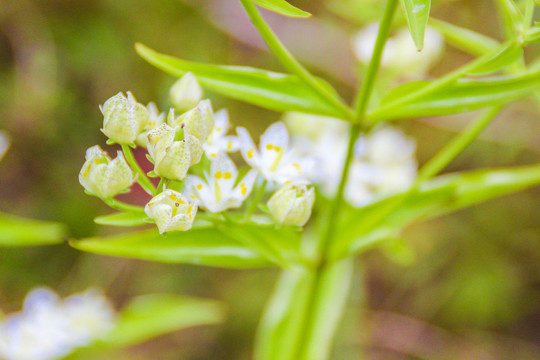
(462, 96)
(122, 219)
(283, 7)
(438, 196)
(511, 12)
(18, 231)
(417, 12)
(274, 91)
(150, 316)
(533, 35)
(279, 330)
(464, 39)
(303, 308)
(499, 61)
(153, 315)
(198, 246)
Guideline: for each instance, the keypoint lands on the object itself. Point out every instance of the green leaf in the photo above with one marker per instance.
(499, 61)
(417, 12)
(274, 91)
(18, 231)
(303, 308)
(462, 96)
(150, 316)
(464, 39)
(283, 7)
(436, 197)
(198, 246)
(122, 219)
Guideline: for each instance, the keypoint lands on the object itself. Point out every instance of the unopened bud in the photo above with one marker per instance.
(123, 118)
(186, 92)
(291, 205)
(171, 211)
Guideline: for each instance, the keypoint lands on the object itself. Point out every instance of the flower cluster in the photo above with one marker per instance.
(176, 145)
(400, 53)
(384, 160)
(50, 328)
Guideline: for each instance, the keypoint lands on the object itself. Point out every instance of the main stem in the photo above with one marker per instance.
(362, 101)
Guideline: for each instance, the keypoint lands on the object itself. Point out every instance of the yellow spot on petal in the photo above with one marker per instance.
(250, 153)
(199, 187)
(213, 155)
(269, 146)
(277, 148)
(229, 145)
(297, 167)
(218, 175)
(227, 175)
(288, 182)
(218, 129)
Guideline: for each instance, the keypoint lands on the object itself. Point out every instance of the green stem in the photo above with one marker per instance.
(457, 145)
(289, 61)
(142, 179)
(122, 206)
(529, 14)
(255, 200)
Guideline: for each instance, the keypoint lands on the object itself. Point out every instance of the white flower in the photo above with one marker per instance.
(155, 119)
(123, 118)
(323, 139)
(292, 204)
(218, 142)
(171, 211)
(186, 92)
(103, 177)
(50, 328)
(274, 159)
(400, 53)
(384, 164)
(218, 192)
(172, 158)
(4, 144)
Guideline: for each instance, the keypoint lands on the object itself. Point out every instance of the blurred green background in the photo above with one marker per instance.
(473, 290)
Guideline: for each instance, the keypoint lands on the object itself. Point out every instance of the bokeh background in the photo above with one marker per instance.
(472, 288)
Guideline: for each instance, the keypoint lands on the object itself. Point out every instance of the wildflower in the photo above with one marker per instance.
(400, 53)
(155, 119)
(291, 205)
(384, 164)
(171, 211)
(186, 92)
(218, 142)
(218, 193)
(4, 144)
(172, 158)
(124, 118)
(274, 159)
(197, 122)
(103, 177)
(50, 328)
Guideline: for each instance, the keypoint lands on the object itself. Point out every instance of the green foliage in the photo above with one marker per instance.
(133, 218)
(283, 7)
(274, 91)
(417, 12)
(199, 246)
(18, 231)
(150, 316)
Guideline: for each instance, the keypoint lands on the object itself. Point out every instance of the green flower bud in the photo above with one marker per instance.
(171, 211)
(291, 205)
(198, 122)
(172, 157)
(155, 118)
(186, 92)
(123, 118)
(103, 177)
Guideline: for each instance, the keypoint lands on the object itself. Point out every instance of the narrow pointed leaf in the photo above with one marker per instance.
(417, 12)
(439, 196)
(122, 219)
(464, 39)
(464, 95)
(500, 61)
(18, 231)
(283, 7)
(271, 90)
(198, 246)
